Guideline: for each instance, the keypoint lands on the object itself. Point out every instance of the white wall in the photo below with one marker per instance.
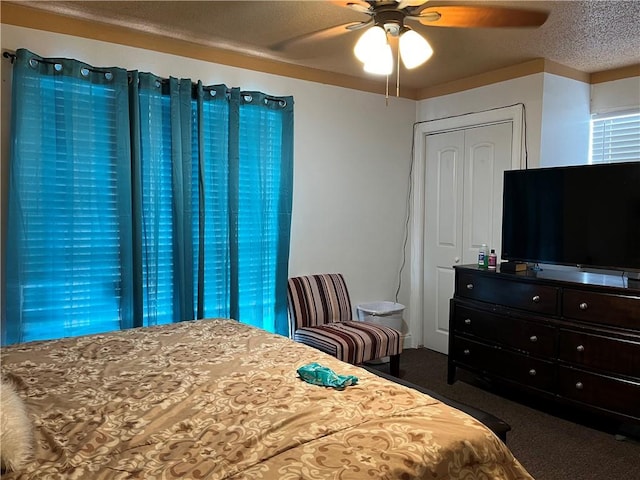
(556, 124)
(527, 90)
(558, 111)
(351, 158)
(564, 139)
(352, 153)
(615, 96)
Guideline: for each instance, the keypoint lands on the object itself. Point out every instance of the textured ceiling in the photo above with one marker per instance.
(589, 36)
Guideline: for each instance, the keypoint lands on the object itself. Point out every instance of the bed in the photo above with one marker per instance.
(217, 399)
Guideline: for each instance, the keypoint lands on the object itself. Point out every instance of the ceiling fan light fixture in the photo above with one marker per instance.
(380, 63)
(370, 44)
(414, 49)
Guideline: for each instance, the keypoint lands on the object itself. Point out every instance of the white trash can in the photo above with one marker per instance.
(388, 314)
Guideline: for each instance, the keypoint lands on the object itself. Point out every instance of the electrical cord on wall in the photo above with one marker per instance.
(410, 190)
(408, 217)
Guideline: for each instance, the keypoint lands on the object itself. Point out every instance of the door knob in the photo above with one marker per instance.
(536, 299)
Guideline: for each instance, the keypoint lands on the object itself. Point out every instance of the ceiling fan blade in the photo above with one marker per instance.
(425, 18)
(358, 26)
(483, 17)
(360, 7)
(322, 34)
(410, 3)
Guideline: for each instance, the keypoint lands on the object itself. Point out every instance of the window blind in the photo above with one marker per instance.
(130, 193)
(157, 206)
(615, 138)
(260, 144)
(215, 185)
(69, 248)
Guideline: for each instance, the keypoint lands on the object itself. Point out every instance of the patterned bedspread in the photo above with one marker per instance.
(214, 399)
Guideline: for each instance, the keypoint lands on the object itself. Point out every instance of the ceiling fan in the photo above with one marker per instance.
(387, 21)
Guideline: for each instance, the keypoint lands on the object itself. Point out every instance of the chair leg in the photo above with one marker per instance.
(394, 365)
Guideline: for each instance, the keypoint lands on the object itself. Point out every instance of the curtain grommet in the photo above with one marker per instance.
(33, 63)
(57, 67)
(108, 76)
(84, 71)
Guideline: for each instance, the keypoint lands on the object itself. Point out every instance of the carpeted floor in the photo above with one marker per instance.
(546, 441)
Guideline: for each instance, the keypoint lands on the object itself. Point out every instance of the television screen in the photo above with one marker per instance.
(584, 215)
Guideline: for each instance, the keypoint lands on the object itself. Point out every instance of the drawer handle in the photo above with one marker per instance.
(580, 348)
(583, 306)
(532, 372)
(467, 321)
(533, 338)
(466, 351)
(536, 299)
(469, 286)
(579, 385)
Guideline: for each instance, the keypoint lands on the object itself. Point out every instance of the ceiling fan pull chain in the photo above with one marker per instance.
(386, 96)
(398, 73)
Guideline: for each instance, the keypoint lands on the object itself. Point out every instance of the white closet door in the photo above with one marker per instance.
(487, 156)
(443, 210)
(463, 209)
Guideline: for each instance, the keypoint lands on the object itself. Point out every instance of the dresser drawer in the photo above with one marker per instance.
(607, 309)
(522, 295)
(525, 370)
(608, 354)
(531, 337)
(558, 333)
(604, 392)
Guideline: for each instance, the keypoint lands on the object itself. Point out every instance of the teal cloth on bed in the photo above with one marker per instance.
(317, 374)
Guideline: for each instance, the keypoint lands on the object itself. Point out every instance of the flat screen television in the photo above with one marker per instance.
(587, 216)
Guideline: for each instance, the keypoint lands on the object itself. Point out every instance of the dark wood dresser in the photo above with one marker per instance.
(568, 336)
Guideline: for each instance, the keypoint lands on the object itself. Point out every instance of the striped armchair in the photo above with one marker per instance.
(320, 316)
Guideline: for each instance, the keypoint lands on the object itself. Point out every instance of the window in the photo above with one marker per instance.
(157, 209)
(615, 138)
(135, 200)
(67, 235)
(216, 285)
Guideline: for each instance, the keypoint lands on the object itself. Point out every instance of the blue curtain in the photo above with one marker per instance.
(68, 253)
(136, 200)
(165, 174)
(262, 191)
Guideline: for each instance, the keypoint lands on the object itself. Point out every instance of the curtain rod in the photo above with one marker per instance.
(12, 56)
